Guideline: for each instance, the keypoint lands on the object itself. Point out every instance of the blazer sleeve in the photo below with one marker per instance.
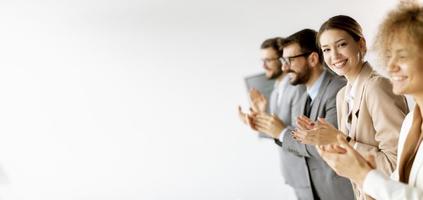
(330, 115)
(387, 112)
(379, 186)
(292, 145)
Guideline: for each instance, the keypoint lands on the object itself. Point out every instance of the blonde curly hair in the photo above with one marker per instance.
(406, 20)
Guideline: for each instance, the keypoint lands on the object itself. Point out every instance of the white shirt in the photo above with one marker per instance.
(380, 186)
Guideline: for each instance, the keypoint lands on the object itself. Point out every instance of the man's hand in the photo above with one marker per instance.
(258, 101)
(246, 118)
(271, 125)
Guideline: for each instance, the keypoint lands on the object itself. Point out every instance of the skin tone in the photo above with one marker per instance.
(342, 53)
(406, 74)
(349, 163)
(302, 70)
(273, 70)
(258, 105)
(322, 133)
(344, 56)
(271, 63)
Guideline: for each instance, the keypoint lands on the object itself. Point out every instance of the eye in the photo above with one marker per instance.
(401, 56)
(325, 50)
(342, 44)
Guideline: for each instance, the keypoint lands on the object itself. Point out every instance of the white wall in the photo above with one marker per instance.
(137, 99)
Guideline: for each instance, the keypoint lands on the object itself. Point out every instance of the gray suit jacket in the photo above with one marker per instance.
(284, 109)
(302, 165)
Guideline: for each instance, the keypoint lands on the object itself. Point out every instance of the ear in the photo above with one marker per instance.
(313, 59)
(363, 47)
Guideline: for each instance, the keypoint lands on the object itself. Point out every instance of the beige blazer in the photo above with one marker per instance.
(377, 116)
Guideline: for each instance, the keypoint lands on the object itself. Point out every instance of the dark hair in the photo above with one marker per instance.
(342, 22)
(274, 43)
(306, 39)
(407, 19)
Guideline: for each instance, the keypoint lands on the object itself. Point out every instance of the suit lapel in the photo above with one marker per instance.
(417, 165)
(362, 78)
(316, 103)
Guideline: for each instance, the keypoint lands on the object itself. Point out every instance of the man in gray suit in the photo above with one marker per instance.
(283, 94)
(303, 168)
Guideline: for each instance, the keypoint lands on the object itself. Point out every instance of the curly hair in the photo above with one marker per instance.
(406, 20)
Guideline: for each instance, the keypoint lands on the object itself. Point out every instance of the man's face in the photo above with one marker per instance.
(298, 69)
(271, 63)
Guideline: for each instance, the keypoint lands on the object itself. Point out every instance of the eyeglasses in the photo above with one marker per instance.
(288, 60)
(268, 60)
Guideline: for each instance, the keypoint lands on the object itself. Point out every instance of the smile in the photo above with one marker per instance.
(340, 64)
(398, 78)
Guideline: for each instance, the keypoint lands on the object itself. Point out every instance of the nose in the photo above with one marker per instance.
(264, 64)
(392, 65)
(284, 67)
(334, 54)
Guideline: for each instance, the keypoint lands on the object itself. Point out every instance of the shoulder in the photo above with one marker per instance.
(296, 90)
(335, 83)
(378, 87)
(377, 81)
(341, 93)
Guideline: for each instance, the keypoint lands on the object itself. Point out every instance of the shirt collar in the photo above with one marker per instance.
(351, 93)
(314, 90)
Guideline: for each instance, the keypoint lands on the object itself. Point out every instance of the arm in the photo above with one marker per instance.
(354, 166)
(380, 186)
(290, 144)
(305, 147)
(387, 112)
(329, 113)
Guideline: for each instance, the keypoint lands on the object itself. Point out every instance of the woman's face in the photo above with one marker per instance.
(341, 52)
(405, 66)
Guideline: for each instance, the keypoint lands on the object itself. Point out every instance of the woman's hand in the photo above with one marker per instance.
(322, 133)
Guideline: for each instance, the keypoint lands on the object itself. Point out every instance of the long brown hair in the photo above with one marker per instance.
(345, 23)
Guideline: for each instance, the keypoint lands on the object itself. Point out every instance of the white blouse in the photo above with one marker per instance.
(380, 186)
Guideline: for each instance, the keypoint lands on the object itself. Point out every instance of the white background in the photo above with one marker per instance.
(125, 99)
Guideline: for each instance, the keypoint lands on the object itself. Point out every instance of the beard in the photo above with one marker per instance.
(276, 74)
(300, 77)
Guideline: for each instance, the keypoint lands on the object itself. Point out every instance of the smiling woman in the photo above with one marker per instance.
(133, 99)
(368, 112)
(399, 44)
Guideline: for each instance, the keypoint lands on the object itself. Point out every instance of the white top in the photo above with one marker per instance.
(380, 186)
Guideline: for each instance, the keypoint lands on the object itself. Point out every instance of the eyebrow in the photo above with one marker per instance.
(334, 42)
